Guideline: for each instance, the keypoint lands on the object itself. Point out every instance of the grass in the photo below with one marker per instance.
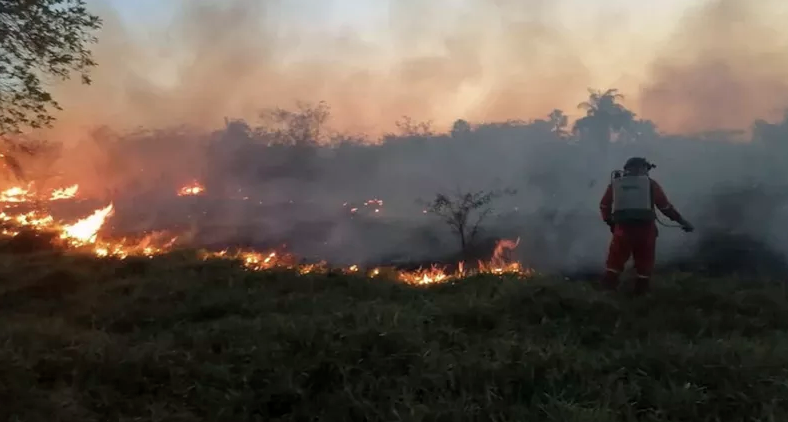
(176, 339)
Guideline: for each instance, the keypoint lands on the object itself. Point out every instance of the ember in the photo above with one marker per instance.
(191, 190)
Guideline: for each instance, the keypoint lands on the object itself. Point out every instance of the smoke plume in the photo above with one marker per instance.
(719, 65)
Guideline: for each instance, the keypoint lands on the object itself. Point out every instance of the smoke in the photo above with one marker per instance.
(719, 66)
(723, 67)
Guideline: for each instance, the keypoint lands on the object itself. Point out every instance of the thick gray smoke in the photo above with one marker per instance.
(484, 61)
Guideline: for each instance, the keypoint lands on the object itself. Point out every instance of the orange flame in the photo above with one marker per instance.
(191, 190)
(85, 231)
(64, 193)
(15, 194)
(428, 276)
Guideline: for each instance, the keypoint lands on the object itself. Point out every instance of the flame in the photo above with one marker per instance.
(256, 261)
(83, 234)
(149, 246)
(85, 231)
(500, 263)
(64, 193)
(427, 276)
(191, 190)
(15, 194)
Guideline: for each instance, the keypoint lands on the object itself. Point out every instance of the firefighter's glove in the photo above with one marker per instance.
(611, 225)
(687, 227)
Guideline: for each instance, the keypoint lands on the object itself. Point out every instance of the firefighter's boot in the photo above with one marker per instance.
(610, 280)
(642, 285)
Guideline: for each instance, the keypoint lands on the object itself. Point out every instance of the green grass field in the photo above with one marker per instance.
(178, 339)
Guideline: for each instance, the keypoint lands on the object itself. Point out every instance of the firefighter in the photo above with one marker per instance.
(628, 209)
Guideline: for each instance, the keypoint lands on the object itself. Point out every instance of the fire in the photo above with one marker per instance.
(64, 193)
(15, 194)
(150, 246)
(84, 234)
(191, 190)
(500, 263)
(85, 231)
(29, 219)
(428, 276)
(256, 261)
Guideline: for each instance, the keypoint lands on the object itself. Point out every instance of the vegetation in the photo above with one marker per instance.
(464, 213)
(40, 40)
(176, 339)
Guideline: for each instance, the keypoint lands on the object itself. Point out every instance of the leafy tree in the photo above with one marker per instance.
(40, 40)
(460, 128)
(464, 212)
(604, 116)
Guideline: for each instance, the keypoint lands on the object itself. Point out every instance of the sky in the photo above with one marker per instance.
(375, 60)
(365, 15)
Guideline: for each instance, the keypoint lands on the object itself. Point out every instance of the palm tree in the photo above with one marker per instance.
(604, 116)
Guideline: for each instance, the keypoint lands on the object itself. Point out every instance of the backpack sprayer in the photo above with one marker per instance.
(615, 174)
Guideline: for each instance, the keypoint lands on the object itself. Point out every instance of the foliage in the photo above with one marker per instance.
(411, 128)
(460, 128)
(179, 339)
(604, 116)
(558, 122)
(464, 212)
(303, 127)
(40, 38)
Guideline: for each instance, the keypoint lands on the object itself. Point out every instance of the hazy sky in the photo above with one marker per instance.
(375, 60)
(364, 15)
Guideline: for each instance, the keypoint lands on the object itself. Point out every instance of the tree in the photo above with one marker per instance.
(40, 38)
(464, 212)
(40, 41)
(771, 134)
(301, 127)
(604, 116)
(460, 128)
(558, 122)
(409, 127)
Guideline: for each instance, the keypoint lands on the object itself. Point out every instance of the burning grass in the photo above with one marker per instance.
(182, 338)
(84, 236)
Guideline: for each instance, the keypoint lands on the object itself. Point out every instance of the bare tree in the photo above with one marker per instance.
(465, 212)
(304, 126)
(409, 127)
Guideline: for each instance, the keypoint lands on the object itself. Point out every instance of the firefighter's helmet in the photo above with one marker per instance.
(636, 162)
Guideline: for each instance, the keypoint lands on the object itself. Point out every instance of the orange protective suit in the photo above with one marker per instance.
(637, 240)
